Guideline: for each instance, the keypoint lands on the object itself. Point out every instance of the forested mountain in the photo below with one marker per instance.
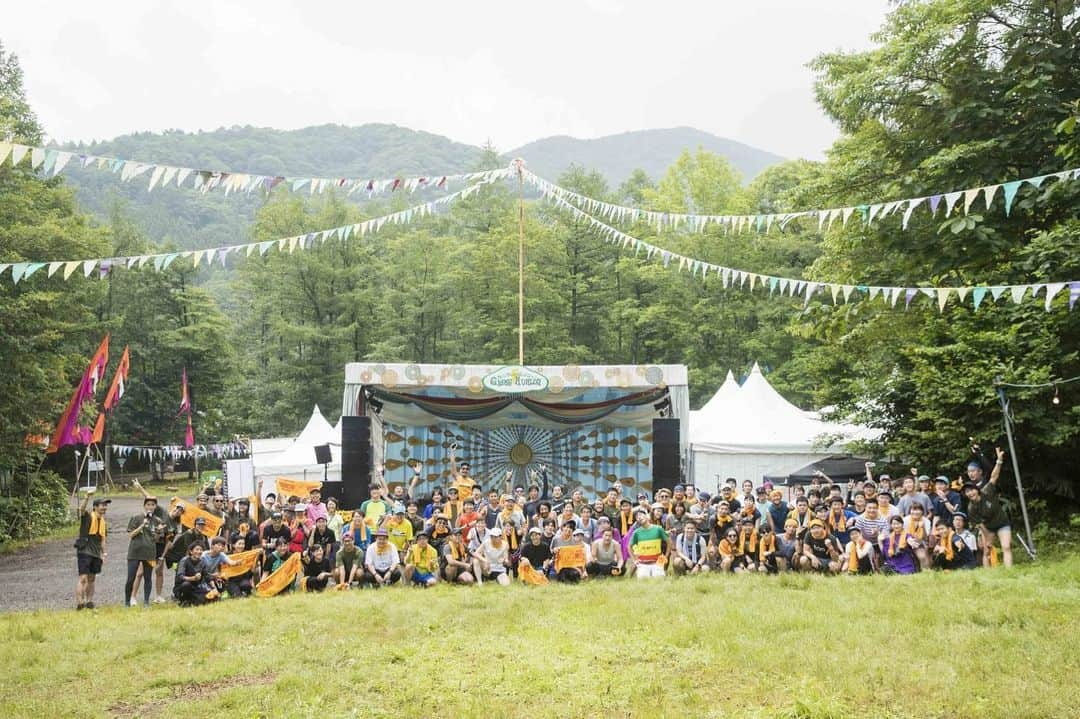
(615, 157)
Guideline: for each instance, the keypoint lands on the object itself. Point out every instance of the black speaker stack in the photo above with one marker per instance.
(355, 462)
(666, 467)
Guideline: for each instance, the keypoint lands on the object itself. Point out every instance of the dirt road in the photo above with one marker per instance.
(43, 576)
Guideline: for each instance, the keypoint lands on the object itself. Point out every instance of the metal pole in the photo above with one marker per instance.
(1030, 545)
(520, 164)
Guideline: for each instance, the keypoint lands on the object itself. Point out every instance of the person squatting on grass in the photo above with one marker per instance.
(879, 526)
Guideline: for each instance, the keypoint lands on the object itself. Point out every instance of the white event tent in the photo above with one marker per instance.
(751, 431)
(294, 457)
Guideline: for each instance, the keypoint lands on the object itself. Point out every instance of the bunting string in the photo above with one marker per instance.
(219, 450)
(867, 213)
(52, 161)
(807, 289)
(161, 261)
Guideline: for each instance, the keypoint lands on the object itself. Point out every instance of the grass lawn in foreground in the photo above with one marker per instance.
(967, 644)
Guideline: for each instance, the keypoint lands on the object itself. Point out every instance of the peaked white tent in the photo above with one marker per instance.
(295, 457)
(750, 431)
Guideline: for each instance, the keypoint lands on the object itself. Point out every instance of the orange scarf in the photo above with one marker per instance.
(897, 543)
(853, 557)
(918, 529)
(625, 522)
(949, 545)
(766, 546)
(742, 541)
(98, 526)
(838, 524)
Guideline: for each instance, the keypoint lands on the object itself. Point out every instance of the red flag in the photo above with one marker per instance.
(189, 435)
(68, 430)
(116, 389)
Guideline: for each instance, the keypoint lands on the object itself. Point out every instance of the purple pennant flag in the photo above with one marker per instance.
(909, 295)
(103, 268)
(935, 200)
(1074, 294)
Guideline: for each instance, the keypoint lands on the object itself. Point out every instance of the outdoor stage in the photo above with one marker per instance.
(587, 426)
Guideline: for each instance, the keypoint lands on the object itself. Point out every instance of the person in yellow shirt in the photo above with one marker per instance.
(422, 563)
(400, 528)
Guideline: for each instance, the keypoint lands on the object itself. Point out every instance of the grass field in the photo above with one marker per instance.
(976, 644)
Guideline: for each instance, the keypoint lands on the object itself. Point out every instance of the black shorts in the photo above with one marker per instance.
(88, 564)
(160, 551)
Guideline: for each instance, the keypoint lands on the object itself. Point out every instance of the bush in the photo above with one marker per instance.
(43, 508)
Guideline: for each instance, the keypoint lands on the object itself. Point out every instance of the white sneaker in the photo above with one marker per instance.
(132, 604)
(159, 599)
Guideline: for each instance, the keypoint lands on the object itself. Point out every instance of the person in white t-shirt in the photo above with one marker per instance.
(491, 560)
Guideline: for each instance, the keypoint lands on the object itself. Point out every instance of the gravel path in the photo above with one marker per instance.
(43, 576)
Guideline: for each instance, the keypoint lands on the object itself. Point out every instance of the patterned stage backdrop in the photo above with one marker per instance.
(592, 457)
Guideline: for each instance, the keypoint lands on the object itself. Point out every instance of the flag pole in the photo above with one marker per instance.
(519, 165)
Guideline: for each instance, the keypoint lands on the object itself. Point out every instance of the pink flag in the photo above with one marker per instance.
(185, 401)
(68, 430)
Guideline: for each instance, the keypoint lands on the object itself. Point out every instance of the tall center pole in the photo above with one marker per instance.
(520, 165)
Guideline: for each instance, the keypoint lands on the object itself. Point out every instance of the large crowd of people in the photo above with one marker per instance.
(466, 535)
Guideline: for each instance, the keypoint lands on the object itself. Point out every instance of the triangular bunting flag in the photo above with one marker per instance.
(969, 197)
(53, 267)
(1051, 290)
(977, 296)
(1074, 294)
(951, 199)
(1018, 292)
(88, 267)
(943, 298)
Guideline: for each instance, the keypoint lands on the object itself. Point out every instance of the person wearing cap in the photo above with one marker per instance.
(90, 547)
(839, 520)
(748, 544)
(176, 551)
(348, 562)
(382, 561)
(457, 563)
(315, 506)
(984, 511)
(275, 530)
(821, 551)
(944, 500)
(422, 563)
(399, 528)
(537, 552)
(896, 554)
(647, 543)
(858, 554)
(491, 560)
(950, 551)
(453, 506)
(691, 554)
(511, 521)
(960, 526)
(642, 503)
(142, 530)
(321, 536)
(607, 556)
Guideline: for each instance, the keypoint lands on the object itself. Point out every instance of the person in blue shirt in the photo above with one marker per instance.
(840, 520)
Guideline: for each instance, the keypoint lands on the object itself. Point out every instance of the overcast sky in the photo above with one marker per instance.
(510, 72)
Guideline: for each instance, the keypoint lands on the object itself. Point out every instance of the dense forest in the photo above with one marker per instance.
(954, 95)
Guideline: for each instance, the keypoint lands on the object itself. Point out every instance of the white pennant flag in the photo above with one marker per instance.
(951, 199)
(88, 267)
(155, 176)
(5, 150)
(969, 197)
(1018, 292)
(70, 267)
(181, 175)
(18, 152)
(997, 292)
(848, 289)
(53, 267)
(62, 159)
(835, 290)
(1052, 289)
(894, 295)
(942, 298)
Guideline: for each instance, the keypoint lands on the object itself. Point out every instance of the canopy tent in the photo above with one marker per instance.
(839, 468)
(751, 431)
(587, 427)
(295, 457)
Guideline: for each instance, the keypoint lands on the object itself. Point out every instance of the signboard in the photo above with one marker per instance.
(97, 465)
(515, 380)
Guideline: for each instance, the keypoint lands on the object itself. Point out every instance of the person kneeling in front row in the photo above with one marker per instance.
(381, 565)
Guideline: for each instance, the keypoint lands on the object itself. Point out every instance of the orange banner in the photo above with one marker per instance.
(278, 581)
(531, 576)
(245, 562)
(295, 488)
(191, 513)
(572, 556)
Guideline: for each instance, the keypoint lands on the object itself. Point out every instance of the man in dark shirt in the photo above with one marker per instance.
(90, 548)
(277, 529)
(821, 552)
(537, 551)
(945, 502)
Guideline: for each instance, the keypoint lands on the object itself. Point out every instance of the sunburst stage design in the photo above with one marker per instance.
(588, 427)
